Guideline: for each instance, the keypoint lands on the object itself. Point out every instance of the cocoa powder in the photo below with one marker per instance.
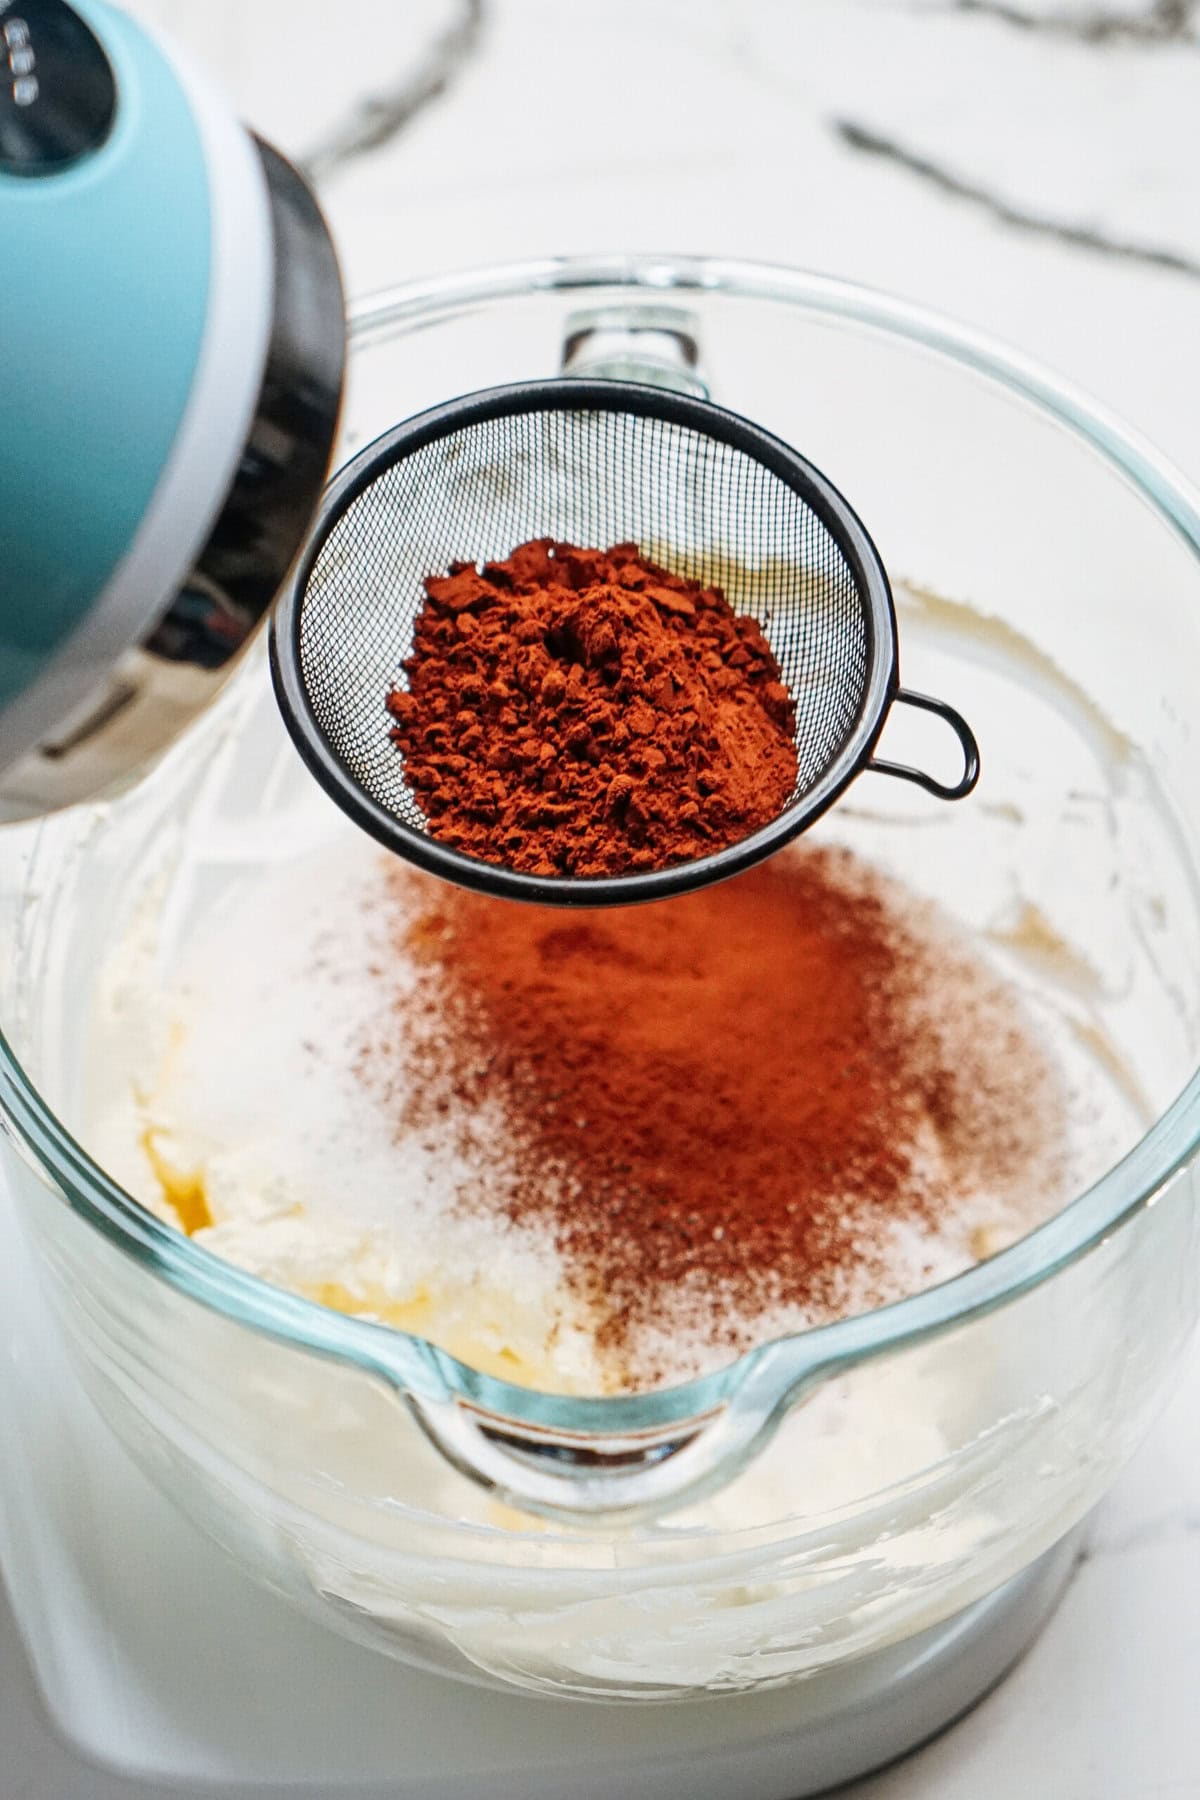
(723, 1104)
(588, 713)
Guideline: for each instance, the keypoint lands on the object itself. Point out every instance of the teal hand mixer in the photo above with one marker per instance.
(172, 342)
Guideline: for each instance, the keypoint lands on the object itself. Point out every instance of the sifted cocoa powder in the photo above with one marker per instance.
(586, 712)
(723, 1104)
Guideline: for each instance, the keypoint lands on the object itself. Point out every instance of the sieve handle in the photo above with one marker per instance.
(961, 730)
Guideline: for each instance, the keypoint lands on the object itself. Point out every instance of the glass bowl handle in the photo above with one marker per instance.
(656, 345)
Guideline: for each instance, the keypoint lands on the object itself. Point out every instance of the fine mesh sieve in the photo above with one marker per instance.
(594, 463)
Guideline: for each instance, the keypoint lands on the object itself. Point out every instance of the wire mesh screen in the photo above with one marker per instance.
(594, 478)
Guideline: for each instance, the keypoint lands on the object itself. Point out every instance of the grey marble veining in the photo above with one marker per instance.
(1075, 121)
(374, 119)
(1151, 22)
(1030, 167)
(1005, 212)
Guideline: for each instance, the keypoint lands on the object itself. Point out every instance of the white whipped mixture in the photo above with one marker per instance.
(239, 1084)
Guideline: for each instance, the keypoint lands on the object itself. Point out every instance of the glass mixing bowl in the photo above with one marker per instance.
(844, 1488)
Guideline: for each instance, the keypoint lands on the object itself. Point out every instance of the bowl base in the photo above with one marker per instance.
(145, 1643)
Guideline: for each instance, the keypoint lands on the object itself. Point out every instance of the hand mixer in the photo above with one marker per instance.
(172, 343)
(172, 340)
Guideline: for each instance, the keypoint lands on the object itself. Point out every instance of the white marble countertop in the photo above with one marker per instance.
(1032, 166)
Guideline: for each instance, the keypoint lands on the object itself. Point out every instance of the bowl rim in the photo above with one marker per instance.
(765, 1380)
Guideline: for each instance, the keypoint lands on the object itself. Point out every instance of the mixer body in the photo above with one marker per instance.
(173, 331)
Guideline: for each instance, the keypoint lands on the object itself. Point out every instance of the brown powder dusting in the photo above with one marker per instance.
(587, 713)
(725, 1103)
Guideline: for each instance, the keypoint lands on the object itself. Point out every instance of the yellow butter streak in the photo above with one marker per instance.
(183, 1189)
(424, 1315)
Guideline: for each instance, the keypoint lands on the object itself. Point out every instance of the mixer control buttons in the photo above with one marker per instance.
(58, 96)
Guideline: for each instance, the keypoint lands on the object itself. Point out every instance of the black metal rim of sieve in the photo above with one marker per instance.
(569, 394)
